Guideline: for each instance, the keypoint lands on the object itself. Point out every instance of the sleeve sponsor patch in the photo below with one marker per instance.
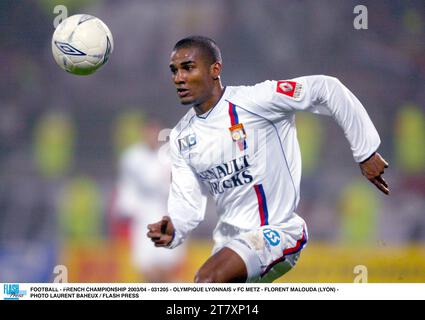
(290, 88)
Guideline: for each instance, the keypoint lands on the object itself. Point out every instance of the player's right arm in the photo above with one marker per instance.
(186, 202)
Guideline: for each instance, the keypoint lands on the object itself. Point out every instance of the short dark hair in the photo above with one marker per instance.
(207, 45)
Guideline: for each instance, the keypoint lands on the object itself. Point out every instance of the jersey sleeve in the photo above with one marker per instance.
(187, 198)
(321, 95)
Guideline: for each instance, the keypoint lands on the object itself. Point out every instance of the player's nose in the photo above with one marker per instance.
(179, 77)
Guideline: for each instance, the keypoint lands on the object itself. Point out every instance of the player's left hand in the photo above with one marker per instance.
(373, 169)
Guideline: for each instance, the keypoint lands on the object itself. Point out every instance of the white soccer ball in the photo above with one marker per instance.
(81, 44)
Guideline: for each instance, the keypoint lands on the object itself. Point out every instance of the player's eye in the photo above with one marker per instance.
(173, 70)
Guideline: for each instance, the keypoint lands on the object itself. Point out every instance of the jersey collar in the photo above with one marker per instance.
(206, 114)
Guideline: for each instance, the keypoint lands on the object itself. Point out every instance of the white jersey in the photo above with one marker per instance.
(142, 192)
(143, 184)
(245, 153)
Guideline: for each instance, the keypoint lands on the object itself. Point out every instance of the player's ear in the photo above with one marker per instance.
(215, 70)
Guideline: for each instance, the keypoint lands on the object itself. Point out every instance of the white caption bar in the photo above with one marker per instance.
(184, 291)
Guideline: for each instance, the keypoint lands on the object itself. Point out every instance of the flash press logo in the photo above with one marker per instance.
(12, 292)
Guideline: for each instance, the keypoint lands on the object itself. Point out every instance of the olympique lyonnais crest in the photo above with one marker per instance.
(289, 88)
(239, 135)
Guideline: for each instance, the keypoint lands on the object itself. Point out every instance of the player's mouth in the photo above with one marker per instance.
(182, 92)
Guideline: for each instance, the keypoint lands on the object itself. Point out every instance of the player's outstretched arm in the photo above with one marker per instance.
(373, 169)
(161, 232)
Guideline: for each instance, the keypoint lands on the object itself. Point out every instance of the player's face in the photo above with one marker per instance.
(192, 76)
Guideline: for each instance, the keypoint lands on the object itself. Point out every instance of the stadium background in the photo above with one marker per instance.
(61, 135)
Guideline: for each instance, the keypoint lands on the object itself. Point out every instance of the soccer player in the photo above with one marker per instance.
(142, 192)
(240, 145)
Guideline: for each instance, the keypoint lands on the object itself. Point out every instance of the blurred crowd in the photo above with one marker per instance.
(62, 136)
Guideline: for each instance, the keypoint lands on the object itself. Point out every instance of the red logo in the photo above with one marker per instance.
(286, 87)
(290, 88)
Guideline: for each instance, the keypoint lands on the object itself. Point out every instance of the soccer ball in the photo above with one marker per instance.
(81, 44)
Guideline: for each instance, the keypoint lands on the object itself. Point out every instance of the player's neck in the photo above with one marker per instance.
(211, 102)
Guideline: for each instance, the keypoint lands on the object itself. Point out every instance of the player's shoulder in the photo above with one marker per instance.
(252, 96)
(268, 87)
(244, 90)
(247, 95)
(289, 89)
